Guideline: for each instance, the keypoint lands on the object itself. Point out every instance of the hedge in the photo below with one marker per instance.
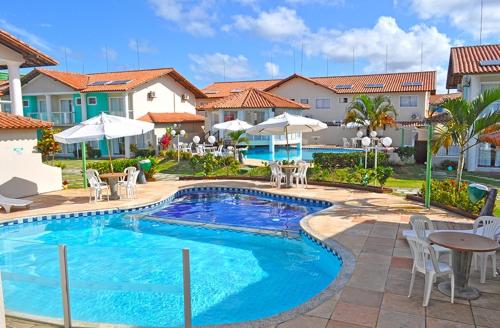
(331, 161)
(120, 164)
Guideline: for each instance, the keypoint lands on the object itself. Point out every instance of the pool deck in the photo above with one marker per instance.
(369, 225)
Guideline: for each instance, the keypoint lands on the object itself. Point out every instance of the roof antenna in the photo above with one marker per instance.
(224, 63)
(353, 61)
(66, 58)
(137, 51)
(107, 58)
(83, 68)
(481, 25)
(294, 70)
(301, 57)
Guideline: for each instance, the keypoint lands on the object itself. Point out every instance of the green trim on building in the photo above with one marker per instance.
(100, 106)
(77, 109)
(32, 105)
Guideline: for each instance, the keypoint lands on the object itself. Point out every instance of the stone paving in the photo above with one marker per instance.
(367, 224)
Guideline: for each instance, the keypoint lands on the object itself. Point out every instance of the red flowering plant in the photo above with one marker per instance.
(165, 141)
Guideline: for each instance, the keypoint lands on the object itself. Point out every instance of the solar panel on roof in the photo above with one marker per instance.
(236, 90)
(210, 92)
(489, 62)
(118, 82)
(412, 84)
(374, 85)
(343, 86)
(98, 83)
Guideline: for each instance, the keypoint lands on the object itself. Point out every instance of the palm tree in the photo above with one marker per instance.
(238, 138)
(467, 119)
(373, 112)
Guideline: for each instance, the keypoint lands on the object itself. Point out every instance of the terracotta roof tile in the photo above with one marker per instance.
(11, 121)
(252, 99)
(440, 98)
(467, 60)
(392, 82)
(224, 89)
(32, 56)
(167, 118)
(130, 79)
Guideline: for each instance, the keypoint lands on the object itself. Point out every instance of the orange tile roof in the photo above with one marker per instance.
(4, 85)
(32, 56)
(82, 82)
(11, 121)
(224, 89)
(392, 82)
(467, 60)
(252, 99)
(167, 118)
(440, 98)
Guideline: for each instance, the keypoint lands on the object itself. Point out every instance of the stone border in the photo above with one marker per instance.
(347, 259)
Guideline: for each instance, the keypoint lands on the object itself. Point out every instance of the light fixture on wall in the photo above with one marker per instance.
(151, 95)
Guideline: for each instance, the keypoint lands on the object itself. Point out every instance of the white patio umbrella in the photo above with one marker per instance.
(285, 124)
(101, 127)
(234, 125)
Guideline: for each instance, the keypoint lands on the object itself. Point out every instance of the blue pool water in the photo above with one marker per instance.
(128, 271)
(280, 153)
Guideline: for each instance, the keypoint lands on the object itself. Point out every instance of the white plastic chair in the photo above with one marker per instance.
(129, 171)
(426, 262)
(131, 185)
(7, 203)
(200, 150)
(346, 143)
(277, 175)
(486, 226)
(423, 227)
(300, 177)
(96, 187)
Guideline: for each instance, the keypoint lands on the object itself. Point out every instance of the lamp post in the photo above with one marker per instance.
(366, 141)
(428, 167)
(179, 135)
(386, 142)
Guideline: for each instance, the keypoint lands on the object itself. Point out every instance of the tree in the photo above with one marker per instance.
(47, 145)
(374, 112)
(467, 119)
(238, 138)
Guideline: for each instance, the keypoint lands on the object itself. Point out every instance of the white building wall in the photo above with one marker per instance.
(23, 173)
(168, 98)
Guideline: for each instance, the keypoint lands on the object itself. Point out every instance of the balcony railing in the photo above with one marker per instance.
(63, 118)
(40, 116)
(117, 112)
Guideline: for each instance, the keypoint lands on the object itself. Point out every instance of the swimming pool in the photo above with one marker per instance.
(128, 271)
(280, 153)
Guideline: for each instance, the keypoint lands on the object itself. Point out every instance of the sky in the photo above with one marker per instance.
(227, 40)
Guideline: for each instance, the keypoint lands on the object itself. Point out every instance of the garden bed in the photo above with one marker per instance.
(317, 183)
(449, 208)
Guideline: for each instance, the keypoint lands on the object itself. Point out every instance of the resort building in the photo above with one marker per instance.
(66, 99)
(253, 106)
(471, 70)
(329, 97)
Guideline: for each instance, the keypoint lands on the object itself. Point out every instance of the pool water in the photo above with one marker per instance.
(128, 271)
(280, 153)
(239, 209)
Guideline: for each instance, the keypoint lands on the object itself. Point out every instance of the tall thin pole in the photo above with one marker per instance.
(302, 57)
(137, 52)
(481, 25)
(63, 269)
(107, 58)
(224, 64)
(186, 273)
(428, 167)
(294, 67)
(84, 164)
(66, 58)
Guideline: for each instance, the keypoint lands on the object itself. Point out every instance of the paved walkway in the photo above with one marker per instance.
(370, 226)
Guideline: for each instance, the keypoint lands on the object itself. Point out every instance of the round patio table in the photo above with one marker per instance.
(463, 246)
(113, 179)
(288, 170)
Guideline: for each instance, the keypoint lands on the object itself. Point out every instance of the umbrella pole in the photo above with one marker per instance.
(287, 145)
(109, 155)
(84, 164)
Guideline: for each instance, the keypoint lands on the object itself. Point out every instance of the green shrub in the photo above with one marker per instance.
(120, 164)
(331, 161)
(60, 164)
(144, 152)
(405, 153)
(209, 163)
(260, 171)
(445, 192)
(171, 154)
(382, 173)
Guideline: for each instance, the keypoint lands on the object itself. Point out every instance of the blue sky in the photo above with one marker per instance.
(212, 40)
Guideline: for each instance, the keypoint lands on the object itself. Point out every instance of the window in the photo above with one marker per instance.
(214, 119)
(323, 103)
(116, 105)
(92, 101)
(343, 100)
(78, 101)
(66, 105)
(255, 117)
(229, 115)
(408, 101)
(304, 101)
(6, 108)
(42, 106)
(26, 103)
(489, 155)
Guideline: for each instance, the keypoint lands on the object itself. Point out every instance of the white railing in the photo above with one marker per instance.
(39, 116)
(452, 151)
(118, 112)
(63, 118)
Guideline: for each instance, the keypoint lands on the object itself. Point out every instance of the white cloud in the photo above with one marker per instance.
(195, 17)
(463, 14)
(277, 25)
(26, 36)
(109, 53)
(316, 2)
(272, 69)
(217, 65)
(143, 46)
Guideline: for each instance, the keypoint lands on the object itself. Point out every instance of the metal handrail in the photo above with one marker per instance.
(63, 118)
